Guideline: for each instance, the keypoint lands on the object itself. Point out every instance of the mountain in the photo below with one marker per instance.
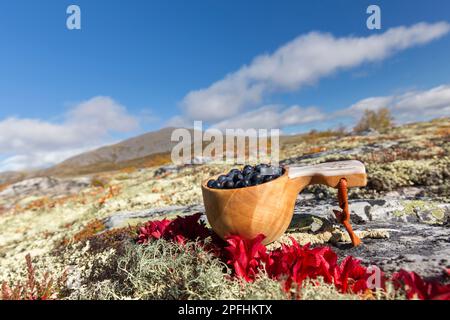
(151, 148)
(11, 176)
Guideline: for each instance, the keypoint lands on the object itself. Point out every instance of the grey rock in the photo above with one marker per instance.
(47, 186)
(131, 217)
(166, 169)
(308, 223)
(381, 210)
(369, 132)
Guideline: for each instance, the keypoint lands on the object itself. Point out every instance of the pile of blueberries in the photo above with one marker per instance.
(248, 176)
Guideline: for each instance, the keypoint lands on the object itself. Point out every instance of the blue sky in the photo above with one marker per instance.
(144, 62)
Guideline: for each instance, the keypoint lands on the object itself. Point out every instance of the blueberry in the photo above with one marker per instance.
(228, 184)
(247, 170)
(249, 176)
(239, 184)
(256, 179)
(238, 177)
(256, 174)
(210, 183)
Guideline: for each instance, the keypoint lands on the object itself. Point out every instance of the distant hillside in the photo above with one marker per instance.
(11, 176)
(149, 149)
(137, 147)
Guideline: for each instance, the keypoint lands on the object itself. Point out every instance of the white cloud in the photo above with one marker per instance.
(372, 103)
(27, 143)
(272, 116)
(101, 114)
(179, 122)
(417, 105)
(409, 106)
(39, 159)
(300, 62)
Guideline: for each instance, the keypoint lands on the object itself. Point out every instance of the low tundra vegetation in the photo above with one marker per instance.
(183, 259)
(33, 288)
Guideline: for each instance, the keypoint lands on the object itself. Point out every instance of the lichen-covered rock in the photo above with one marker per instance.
(45, 186)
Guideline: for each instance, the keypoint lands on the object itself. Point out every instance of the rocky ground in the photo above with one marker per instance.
(402, 215)
(400, 233)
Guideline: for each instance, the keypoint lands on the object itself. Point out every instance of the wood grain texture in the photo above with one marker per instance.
(266, 208)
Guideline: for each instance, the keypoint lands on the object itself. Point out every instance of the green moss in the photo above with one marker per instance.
(419, 207)
(438, 213)
(410, 208)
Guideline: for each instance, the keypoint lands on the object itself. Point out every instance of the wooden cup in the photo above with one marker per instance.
(268, 208)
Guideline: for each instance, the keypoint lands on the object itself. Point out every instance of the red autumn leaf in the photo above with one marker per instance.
(321, 262)
(152, 230)
(295, 263)
(351, 275)
(416, 287)
(246, 256)
(187, 228)
(181, 230)
(281, 261)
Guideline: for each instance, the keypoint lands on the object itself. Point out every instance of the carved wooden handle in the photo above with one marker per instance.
(329, 173)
